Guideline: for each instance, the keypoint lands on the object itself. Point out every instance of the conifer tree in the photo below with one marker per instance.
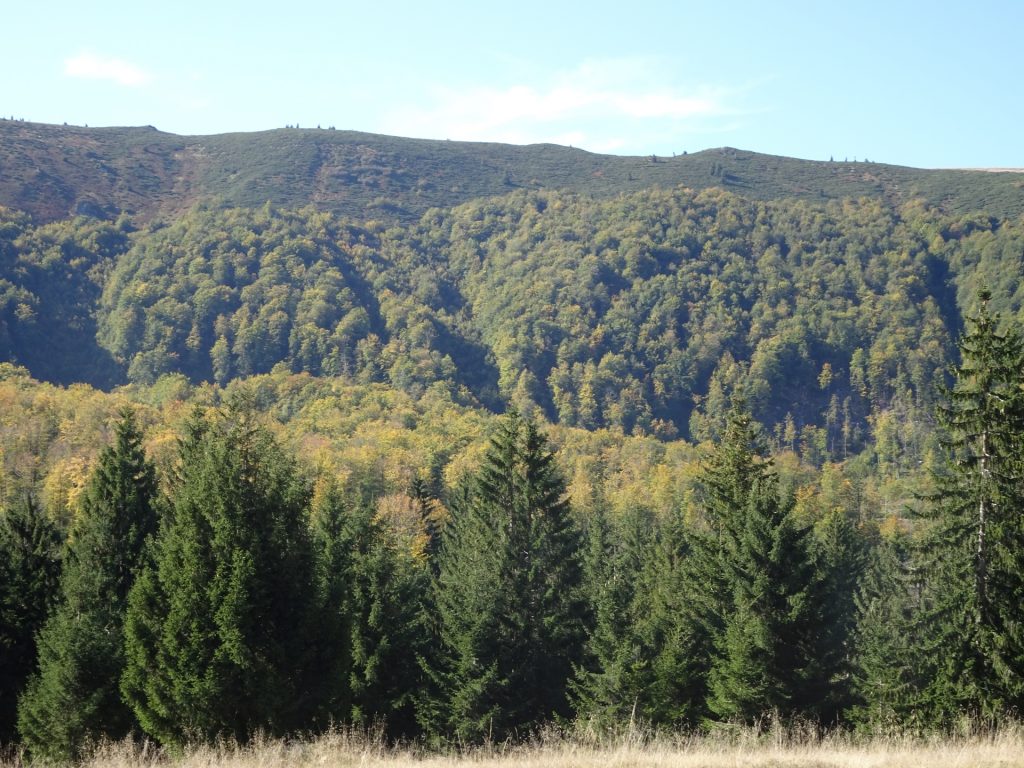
(388, 588)
(75, 698)
(510, 608)
(330, 643)
(672, 632)
(888, 671)
(29, 576)
(839, 553)
(764, 657)
(753, 594)
(218, 627)
(703, 562)
(974, 554)
(615, 675)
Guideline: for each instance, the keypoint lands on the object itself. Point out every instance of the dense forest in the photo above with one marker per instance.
(657, 454)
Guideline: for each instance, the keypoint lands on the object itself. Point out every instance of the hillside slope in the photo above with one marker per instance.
(53, 172)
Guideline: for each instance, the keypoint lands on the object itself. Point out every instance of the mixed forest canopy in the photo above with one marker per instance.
(485, 447)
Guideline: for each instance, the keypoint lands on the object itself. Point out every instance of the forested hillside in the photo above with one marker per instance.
(479, 453)
(642, 313)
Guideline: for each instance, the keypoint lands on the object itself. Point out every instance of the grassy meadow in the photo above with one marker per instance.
(745, 749)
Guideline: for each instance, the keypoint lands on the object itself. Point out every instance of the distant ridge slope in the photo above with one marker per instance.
(54, 171)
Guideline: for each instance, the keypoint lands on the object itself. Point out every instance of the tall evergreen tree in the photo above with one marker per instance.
(75, 696)
(974, 554)
(765, 655)
(753, 596)
(888, 670)
(388, 589)
(29, 577)
(839, 552)
(616, 672)
(217, 628)
(511, 612)
(330, 640)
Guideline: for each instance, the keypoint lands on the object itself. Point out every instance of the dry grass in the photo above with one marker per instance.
(344, 750)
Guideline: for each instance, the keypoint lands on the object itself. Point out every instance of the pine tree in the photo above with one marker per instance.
(75, 698)
(615, 675)
(672, 630)
(764, 657)
(29, 577)
(217, 628)
(510, 608)
(388, 589)
(753, 602)
(974, 553)
(839, 552)
(887, 677)
(701, 567)
(331, 639)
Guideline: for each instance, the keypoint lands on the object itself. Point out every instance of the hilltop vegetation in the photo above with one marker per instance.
(54, 172)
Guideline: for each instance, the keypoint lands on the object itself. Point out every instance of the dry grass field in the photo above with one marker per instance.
(342, 750)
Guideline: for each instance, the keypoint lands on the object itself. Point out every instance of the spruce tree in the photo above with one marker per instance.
(974, 551)
(888, 673)
(839, 553)
(387, 592)
(672, 632)
(615, 675)
(218, 627)
(74, 699)
(510, 609)
(764, 657)
(29, 577)
(330, 641)
(753, 603)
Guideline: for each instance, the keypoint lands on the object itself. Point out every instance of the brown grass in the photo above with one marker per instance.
(744, 750)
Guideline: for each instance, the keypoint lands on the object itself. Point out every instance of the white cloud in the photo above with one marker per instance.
(602, 105)
(90, 66)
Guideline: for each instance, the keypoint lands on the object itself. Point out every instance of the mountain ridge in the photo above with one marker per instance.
(53, 172)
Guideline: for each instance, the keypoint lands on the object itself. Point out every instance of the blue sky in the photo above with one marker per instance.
(928, 84)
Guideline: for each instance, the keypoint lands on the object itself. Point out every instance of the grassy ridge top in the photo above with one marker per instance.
(54, 171)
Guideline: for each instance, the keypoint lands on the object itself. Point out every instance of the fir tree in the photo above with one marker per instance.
(887, 677)
(839, 552)
(617, 662)
(511, 612)
(388, 588)
(29, 576)
(764, 657)
(217, 629)
(673, 633)
(331, 640)
(75, 698)
(753, 595)
(703, 558)
(974, 552)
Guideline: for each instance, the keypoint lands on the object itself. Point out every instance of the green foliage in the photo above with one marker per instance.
(29, 576)
(974, 551)
(617, 666)
(889, 671)
(75, 699)
(50, 169)
(388, 597)
(217, 626)
(763, 656)
(509, 599)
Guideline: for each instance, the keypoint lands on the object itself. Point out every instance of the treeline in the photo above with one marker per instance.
(236, 595)
(644, 314)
